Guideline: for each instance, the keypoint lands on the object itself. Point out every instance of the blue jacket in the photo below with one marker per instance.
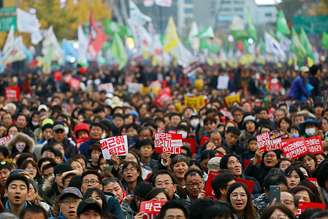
(298, 90)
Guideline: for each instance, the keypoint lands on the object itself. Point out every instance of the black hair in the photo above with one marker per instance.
(163, 172)
(303, 188)
(170, 205)
(225, 159)
(273, 179)
(33, 209)
(179, 158)
(198, 206)
(193, 172)
(220, 182)
(23, 156)
(249, 211)
(94, 172)
(155, 191)
(269, 211)
(17, 176)
(4, 151)
(219, 210)
(295, 168)
(320, 215)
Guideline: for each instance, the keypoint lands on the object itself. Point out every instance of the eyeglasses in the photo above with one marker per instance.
(91, 181)
(130, 170)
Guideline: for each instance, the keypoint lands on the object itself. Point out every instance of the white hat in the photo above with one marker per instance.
(43, 107)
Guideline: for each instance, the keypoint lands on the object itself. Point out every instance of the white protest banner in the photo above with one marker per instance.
(167, 142)
(117, 145)
(5, 140)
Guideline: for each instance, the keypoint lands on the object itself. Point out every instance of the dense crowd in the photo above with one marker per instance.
(52, 166)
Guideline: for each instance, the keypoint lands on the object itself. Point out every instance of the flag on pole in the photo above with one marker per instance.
(29, 23)
(13, 49)
(306, 44)
(207, 33)
(118, 51)
(137, 15)
(324, 41)
(10, 40)
(193, 39)
(251, 28)
(297, 47)
(281, 25)
(83, 45)
(171, 38)
(272, 46)
(97, 37)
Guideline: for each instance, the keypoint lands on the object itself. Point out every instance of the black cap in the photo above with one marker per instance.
(61, 168)
(88, 204)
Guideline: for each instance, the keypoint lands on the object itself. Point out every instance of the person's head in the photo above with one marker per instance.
(232, 163)
(21, 121)
(89, 209)
(113, 185)
(163, 179)
(252, 144)
(90, 179)
(216, 138)
(210, 124)
(277, 211)
(33, 212)
(271, 158)
(31, 167)
(5, 168)
(17, 187)
(303, 194)
(232, 135)
(237, 114)
(294, 176)
(194, 183)
(158, 195)
(309, 162)
(59, 132)
(179, 166)
(240, 199)
(173, 209)
(68, 202)
(284, 163)
(131, 172)
(249, 123)
(175, 119)
(146, 148)
(145, 133)
(96, 131)
(95, 152)
(59, 170)
(279, 114)
(76, 165)
(275, 179)
(288, 200)
(221, 183)
(97, 195)
(284, 124)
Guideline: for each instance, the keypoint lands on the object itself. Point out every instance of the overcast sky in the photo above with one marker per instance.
(266, 2)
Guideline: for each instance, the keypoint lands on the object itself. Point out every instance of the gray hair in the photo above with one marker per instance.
(7, 215)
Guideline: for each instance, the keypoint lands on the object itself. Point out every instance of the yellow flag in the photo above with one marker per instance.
(171, 38)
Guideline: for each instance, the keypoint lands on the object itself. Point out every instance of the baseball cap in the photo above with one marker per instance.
(59, 127)
(88, 204)
(43, 107)
(70, 191)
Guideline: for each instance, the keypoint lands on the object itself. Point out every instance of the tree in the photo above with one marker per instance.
(291, 8)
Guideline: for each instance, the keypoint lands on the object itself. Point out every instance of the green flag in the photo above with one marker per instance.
(324, 41)
(112, 27)
(306, 44)
(206, 44)
(281, 25)
(207, 33)
(297, 47)
(118, 51)
(251, 28)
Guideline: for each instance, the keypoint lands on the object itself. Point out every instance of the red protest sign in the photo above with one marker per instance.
(12, 93)
(169, 143)
(302, 206)
(248, 183)
(5, 140)
(152, 207)
(294, 148)
(117, 145)
(208, 185)
(269, 141)
(314, 145)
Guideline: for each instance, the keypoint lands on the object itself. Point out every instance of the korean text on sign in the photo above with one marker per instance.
(168, 143)
(117, 145)
(152, 208)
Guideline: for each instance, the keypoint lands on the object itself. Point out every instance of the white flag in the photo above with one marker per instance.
(182, 55)
(83, 44)
(15, 51)
(51, 48)
(29, 23)
(164, 3)
(148, 3)
(193, 39)
(137, 15)
(273, 46)
(10, 41)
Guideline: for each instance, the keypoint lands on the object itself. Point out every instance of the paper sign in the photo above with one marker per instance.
(223, 82)
(314, 145)
(195, 102)
(208, 185)
(294, 148)
(269, 141)
(4, 140)
(169, 143)
(12, 93)
(230, 100)
(248, 183)
(302, 206)
(152, 207)
(117, 145)
(134, 87)
(108, 87)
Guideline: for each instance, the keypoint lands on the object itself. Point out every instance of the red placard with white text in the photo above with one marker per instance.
(152, 207)
(208, 185)
(117, 145)
(5, 140)
(294, 148)
(269, 141)
(168, 143)
(314, 145)
(12, 93)
(302, 206)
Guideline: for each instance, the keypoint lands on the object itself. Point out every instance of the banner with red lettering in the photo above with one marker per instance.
(168, 142)
(294, 148)
(314, 145)
(269, 141)
(302, 206)
(12, 93)
(117, 145)
(4, 140)
(208, 185)
(151, 208)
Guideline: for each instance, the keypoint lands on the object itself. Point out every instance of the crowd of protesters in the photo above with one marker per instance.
(52, 166)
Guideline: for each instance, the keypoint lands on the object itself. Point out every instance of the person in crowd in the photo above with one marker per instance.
(173, 209)
(221, 183)
(277, 211)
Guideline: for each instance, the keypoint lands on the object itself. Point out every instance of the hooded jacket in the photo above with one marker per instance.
(21, 137)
